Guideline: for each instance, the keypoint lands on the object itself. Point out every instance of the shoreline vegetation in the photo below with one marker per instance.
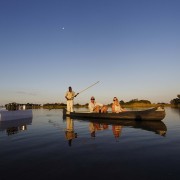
(134, 103)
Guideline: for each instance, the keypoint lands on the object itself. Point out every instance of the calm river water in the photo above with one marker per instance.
(50, 147)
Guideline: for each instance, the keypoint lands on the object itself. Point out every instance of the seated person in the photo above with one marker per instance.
(116, 107)
(97, 107)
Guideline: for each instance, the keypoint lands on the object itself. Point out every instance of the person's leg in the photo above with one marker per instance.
(96, 109)
(104, 109)
(123, 110)
(71, 106)
(68, 106)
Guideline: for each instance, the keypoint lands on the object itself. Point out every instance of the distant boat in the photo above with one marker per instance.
(6, 115)
(153, 114)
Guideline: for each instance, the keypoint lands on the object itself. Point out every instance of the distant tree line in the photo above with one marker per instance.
(135, 101)
(131, 103)
(60, 105)
(176, 101)
(19, 106)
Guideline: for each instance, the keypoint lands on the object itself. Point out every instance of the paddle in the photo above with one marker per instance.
(86, 88)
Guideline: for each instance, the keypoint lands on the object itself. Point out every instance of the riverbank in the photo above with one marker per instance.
(134, 105)
(15, 106)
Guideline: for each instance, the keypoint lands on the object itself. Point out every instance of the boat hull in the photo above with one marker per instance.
(153, 114)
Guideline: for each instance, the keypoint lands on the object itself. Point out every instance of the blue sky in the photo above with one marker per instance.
(131, 46)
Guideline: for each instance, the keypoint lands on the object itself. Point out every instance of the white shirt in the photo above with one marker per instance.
(70, 95)
(117, 108)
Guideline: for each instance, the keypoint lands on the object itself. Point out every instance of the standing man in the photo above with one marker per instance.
(70, 94)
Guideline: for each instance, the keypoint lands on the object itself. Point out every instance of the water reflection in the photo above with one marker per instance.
(117, 129)
(157, 127)
(70, 133)
(97, 126)
(93, 127)
(15, 126)
(176, 110)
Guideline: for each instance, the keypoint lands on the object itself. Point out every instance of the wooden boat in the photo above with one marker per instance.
(153, 114)
(6, 115)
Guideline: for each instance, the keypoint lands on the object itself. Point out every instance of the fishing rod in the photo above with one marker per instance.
(87, 88)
